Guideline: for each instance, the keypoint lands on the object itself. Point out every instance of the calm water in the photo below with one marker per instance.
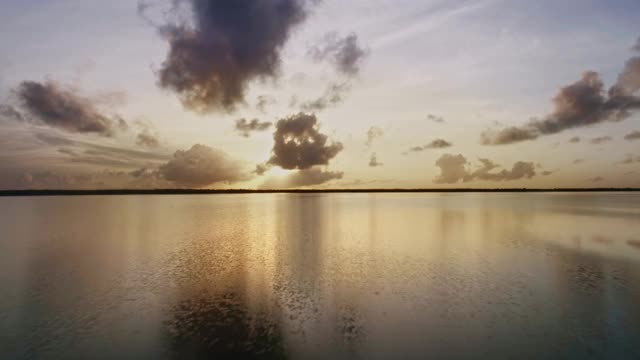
(321, 276)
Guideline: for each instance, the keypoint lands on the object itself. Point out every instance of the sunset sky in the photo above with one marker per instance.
(319, 93)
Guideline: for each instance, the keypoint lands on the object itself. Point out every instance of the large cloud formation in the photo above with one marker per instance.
(57, 107)
(245, 128)
(201, 166)
(344, 52)
(583, 103)
(453, 169)
(226, 45)
(298, 144)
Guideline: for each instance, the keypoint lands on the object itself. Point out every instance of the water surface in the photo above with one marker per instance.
(364, 276)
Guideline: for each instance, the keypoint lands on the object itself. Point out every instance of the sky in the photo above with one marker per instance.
(263, 94)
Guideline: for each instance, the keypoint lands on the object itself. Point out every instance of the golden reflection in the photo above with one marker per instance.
(310, 275)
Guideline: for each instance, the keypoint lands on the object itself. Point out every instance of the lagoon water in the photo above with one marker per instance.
(304, 276)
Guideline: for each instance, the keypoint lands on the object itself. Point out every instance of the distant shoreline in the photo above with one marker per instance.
(15, 193)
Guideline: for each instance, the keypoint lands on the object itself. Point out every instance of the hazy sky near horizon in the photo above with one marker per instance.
(305, 93)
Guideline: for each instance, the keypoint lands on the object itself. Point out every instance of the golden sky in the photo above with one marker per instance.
(319, 94)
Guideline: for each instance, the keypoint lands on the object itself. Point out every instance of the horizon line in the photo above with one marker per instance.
(79, 192)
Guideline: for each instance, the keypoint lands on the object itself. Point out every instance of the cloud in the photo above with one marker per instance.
(332, 96)
(508, 135)
(630, 159)
(636, 46)
(302, 178)
(575, 140)
(11, 113)
(298, 144)
(578, 161)
(54, 106)
(344, 52)
(596, 179)
(438, 144)
(435, 144)
(202, 166)
(51, 180)
(263, 101)
(435, 118)
(82, 152)
(226, 45)
(634, 135)
(147, 137)
(372, 134)
(454, 169)
(548, 173)
(600, 140)
(244, 127)
(360, 182)
(312, 177)
(59, 179)
(261, 169)
(147, 140)
(373, 161)
(583, 103)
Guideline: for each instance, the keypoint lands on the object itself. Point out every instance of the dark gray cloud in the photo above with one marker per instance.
(298, 144)
(332, 96)
(435, 118)
(600, 140)
(224, 46)
(372, 134)
(344, 52)
(583, 103)
(634, 135)
(454, 169)
(435, 144)
(373, 161)
(57, 107)
(245, 128)
(202, 166)
(578, 161)
(575, 140)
